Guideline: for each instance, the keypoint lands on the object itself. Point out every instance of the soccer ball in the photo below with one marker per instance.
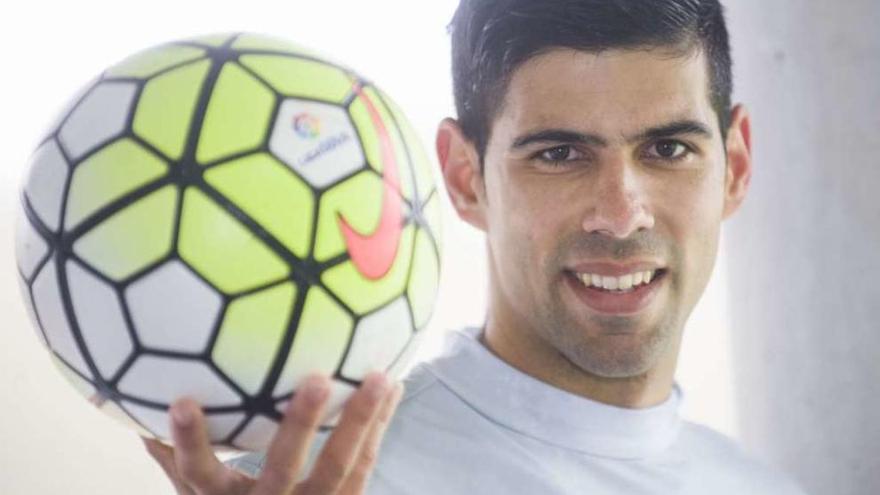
(218, 217)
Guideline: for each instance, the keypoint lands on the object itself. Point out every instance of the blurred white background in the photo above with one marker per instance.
(53, 440)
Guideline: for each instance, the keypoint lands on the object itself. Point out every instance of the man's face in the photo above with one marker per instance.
(600, 166)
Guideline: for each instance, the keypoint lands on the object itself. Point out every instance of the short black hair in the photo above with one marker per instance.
(491, 38)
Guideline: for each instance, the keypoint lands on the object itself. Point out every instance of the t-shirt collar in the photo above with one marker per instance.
(531, 407)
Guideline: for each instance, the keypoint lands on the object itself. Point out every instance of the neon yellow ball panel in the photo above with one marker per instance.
(363, 294)
(424, 280)
(252, 331)
(218, 218)
(109, 174)
(268, 192)
(301, 77)
(322, 336)
(146, 64)
(223, 250)
(133, 238)
(238, 115)
(358, 201)
(166, 107)
(258, 42)
(420, 163)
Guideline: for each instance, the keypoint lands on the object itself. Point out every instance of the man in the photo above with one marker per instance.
(597, 148)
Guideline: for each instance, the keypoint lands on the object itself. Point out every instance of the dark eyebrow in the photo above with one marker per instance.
(673, 129)
(558, 136)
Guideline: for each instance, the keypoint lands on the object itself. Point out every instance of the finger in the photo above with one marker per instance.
(164, 456)
(337, 457)
(194, 458)
(357, 480)
(290, 447)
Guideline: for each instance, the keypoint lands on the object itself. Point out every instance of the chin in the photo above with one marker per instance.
(617, 355)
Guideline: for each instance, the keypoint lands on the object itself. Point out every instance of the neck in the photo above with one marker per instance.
(533, 356)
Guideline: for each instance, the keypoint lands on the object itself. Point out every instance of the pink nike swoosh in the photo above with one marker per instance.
(373, 254)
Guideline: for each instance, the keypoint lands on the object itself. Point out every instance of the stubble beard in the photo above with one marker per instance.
(608, 347)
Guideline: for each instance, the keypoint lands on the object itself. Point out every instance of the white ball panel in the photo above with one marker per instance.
(330, 152)
(256, 436)
(31, 311)
(84, 387)
(100, 318)
(45, 183)
(101, 115)
(172, 309)
(30, 247)
(165, 380)
(157, 421)
(339, 394)
(68, 106)
(113, 410)
(402, 364)
(378, 339)
(50, 308)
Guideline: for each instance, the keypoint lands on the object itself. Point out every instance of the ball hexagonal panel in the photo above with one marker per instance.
(164, 380)
(30, 247)
(84, 387)
(316, 140)
(115, 170)
(272, 195)
(31, 310)
(147, 63)
(423, 279)
(379, 338)
(223, 250)
(252, 331)
(363, 294)
(262, 43)
(45, 183)
(172, 309)
(100, 116)
(167, 106)
(237, 117)
(133, 238)
(256, 435)
(322, 335)
(359, 201)
(301, 78)
(116, 412)
(421, 165)
(56, 326)
(219, 425)
(339, 394)
(101, 321)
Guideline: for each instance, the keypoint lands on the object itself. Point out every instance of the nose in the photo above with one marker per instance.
(618, 207)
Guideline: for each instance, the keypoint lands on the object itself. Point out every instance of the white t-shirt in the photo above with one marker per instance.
(469, 423)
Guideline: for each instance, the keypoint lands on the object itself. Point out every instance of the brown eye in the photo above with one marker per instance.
(669, 149)
(557, 154)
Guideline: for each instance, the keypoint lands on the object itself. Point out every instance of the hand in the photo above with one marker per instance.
(342, 468)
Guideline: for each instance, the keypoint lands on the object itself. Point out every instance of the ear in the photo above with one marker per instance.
(460, 165)
(739, 160)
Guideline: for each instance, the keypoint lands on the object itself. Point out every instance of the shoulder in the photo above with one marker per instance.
(723, 462)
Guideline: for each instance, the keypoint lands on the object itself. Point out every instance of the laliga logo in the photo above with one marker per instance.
(306, 125)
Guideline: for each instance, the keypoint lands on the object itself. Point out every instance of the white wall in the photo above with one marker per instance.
(803, 254)
(55, 442)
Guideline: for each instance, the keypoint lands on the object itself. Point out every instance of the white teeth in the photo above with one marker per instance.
(609, 283)
(623, 283)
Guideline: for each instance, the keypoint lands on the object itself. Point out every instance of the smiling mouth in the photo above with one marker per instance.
(621, 284)
(626, 294)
